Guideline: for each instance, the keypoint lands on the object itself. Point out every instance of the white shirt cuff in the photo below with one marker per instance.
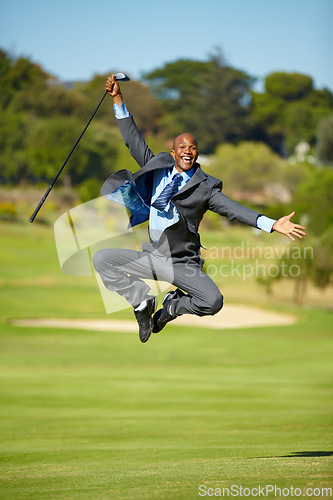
(265, 223)
(120, 111)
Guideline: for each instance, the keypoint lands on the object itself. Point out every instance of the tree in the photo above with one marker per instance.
(325, 141)
(48, 99)
(138, 97)
(5, 86)
(51, 140)
(14, 131)
(313, 204)
(288, 86)
(311, 264)
(289, 111)
(41, 121)
(16, 75)
(251, 170)
(314, 201)
(247, 167)
(207, 99)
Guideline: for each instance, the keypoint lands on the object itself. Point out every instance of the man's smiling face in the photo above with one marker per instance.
(185, 152)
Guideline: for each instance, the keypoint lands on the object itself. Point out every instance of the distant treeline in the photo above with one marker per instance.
(41, 118)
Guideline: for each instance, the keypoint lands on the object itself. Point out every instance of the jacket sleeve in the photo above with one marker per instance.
(223, 205)
(133, 139)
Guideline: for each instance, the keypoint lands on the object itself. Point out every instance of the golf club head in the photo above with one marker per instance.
(121, 77)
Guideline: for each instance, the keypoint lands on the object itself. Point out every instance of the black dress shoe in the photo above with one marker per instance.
(163, 316)
(145, 320)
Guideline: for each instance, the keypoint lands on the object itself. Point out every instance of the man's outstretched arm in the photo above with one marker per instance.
(233, 210)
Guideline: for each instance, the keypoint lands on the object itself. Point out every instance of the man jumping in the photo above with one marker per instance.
(172, 192)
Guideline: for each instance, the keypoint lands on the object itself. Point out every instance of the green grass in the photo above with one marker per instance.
(93, 415)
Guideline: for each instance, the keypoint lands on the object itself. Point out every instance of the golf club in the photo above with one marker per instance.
(119, 77)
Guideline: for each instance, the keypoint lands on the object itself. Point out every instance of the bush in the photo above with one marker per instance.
(7, 210)
(89, 189)
(325, 141)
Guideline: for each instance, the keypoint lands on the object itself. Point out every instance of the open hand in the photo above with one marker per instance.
(285, 226)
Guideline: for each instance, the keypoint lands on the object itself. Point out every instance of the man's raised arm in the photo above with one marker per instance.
(132, 137)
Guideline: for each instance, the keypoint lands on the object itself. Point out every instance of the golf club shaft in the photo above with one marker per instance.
(40, 204)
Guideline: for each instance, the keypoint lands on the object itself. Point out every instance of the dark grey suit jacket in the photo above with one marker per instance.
(201, 193)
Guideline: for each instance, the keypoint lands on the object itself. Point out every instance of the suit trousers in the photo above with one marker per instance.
(123, 271)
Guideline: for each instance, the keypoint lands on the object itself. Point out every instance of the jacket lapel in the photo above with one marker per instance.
(161, 160)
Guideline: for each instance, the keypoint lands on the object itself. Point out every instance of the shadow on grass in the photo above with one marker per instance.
(301, 454)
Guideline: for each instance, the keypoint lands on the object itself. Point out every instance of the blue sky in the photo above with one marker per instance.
(74, 40)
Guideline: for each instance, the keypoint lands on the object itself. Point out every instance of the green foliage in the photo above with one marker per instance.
(41, 120)
(246, 167)
(14, 132)
(299, 122)
(138, 97)
(16, 75)
(301, 118)
(7, 210)
(288, 86)
(313, 204)
(206, 99)
(89, 189)
(265, 119)
(143, 106)
(289, 111)
(314, 201)
(254, 168)
(323, 265)
(48, 100)
(52, 140)
(324, 147)
(315, 265)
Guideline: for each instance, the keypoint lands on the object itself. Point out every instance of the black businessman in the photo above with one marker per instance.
(172, 192)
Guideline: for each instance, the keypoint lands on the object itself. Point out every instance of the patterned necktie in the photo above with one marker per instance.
(168, 192)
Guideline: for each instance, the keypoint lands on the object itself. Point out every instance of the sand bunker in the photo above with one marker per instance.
(231, 316)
